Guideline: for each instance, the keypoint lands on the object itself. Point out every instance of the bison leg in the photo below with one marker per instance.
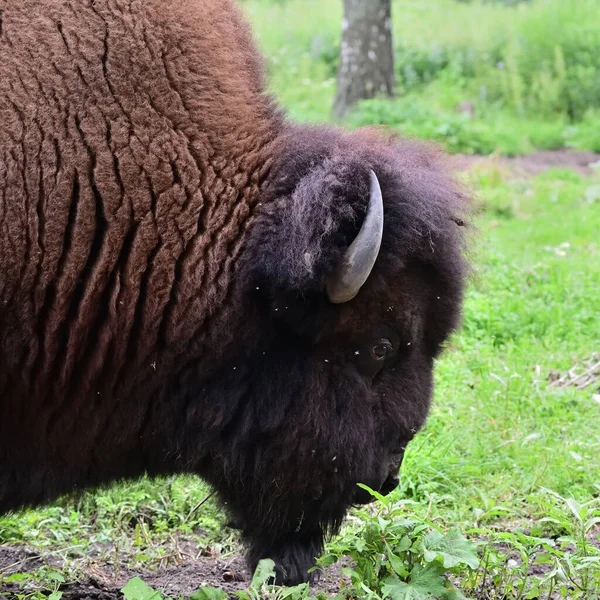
(293, 555)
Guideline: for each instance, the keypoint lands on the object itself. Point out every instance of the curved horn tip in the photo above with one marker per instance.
(358, 260)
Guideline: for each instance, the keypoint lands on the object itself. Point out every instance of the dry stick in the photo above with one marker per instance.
(429, 507)
(201, 503)
(20, 562)
(589, 371)
(177, 549)
(594, 376)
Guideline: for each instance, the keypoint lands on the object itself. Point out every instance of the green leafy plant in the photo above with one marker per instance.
(574, 557)
(260, 587)
(556, 558)
(43, 584)
(400, 556)
(136, 589)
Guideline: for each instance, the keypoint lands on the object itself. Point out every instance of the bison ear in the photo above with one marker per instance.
(321, 237)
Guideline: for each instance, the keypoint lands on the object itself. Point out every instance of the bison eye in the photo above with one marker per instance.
(382, 349)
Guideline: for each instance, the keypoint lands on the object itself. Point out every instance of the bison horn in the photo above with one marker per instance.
(358, 260)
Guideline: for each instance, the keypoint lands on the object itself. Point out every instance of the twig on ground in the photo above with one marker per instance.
(200, 504)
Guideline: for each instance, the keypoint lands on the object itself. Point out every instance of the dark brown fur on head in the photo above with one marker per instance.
(166, 240)
(345, 418)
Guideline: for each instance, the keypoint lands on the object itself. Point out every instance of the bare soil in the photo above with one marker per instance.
(533, 164)
(99, 581)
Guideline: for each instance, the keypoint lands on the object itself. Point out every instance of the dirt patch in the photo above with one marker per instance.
(18, 560)
(533, 164)
(182, 580)
(98, 581)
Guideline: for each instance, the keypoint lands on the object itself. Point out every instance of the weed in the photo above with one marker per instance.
(555, 558)
(398, 555)
(43, 584)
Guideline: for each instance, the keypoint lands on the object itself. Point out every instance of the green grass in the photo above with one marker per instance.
(138, 518)
(498, 431)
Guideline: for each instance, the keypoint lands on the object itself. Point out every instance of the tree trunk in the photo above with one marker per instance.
(366, 58)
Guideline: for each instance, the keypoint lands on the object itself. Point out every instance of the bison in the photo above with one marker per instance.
(192, 283)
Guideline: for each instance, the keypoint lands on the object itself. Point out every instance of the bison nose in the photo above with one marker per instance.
(390, 484)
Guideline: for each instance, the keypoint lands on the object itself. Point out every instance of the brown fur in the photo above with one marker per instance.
(134, 142)
(165, 235)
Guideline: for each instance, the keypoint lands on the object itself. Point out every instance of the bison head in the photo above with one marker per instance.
(351, 280)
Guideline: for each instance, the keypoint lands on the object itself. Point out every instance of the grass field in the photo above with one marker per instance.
(510, 456)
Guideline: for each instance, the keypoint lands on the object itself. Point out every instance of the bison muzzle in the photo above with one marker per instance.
(192, 283)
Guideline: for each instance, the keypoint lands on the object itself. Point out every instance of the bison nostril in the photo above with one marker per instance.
(390, 484)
